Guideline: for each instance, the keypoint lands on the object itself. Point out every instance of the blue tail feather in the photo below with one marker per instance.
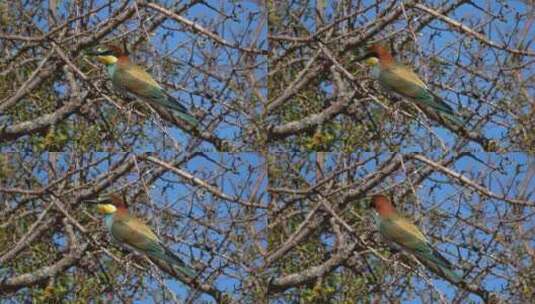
(180, 110)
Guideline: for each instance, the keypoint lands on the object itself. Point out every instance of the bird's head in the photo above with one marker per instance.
(109, 204)
(107, 54)
(382, 204)
(375, 53)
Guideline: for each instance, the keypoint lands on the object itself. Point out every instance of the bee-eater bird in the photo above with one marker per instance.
(398, 78)
(400, 231)
(129, 77)
(136, 236)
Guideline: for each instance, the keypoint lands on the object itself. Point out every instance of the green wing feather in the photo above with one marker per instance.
(134, 79)
(405, 82)
(138, 235)
(401, 80)
(408, 236)
(404, 233)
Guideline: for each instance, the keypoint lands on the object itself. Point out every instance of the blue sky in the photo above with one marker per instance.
(499, 172)
(178, 195)
(441, 194)
(239, 26)
(234, 181)
(439, 38)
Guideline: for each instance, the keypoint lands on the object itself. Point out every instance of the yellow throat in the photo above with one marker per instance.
(106, 208)
(108, 59)
(371, 61)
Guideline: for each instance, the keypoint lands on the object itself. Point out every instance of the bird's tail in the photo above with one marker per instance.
(188, 118)
(450, 275)
(435, 102)
(172, 268)
(179, 110)
(439, 265)
(177, 263)
(455, 119)
(445, 110)
(190, 272)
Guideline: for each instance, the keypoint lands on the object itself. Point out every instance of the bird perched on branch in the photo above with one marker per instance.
(129, 77)
(400, 79)
(400, 231)
(136, 236)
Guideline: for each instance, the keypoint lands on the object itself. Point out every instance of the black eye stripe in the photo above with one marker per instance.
(371, 54)
(105, 53)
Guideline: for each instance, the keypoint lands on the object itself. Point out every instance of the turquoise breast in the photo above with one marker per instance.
(108, 221)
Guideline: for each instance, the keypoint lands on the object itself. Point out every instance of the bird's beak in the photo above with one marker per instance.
(101, 200)
(91, 52)
(103, 204)
(97, 51)
(102, 55)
